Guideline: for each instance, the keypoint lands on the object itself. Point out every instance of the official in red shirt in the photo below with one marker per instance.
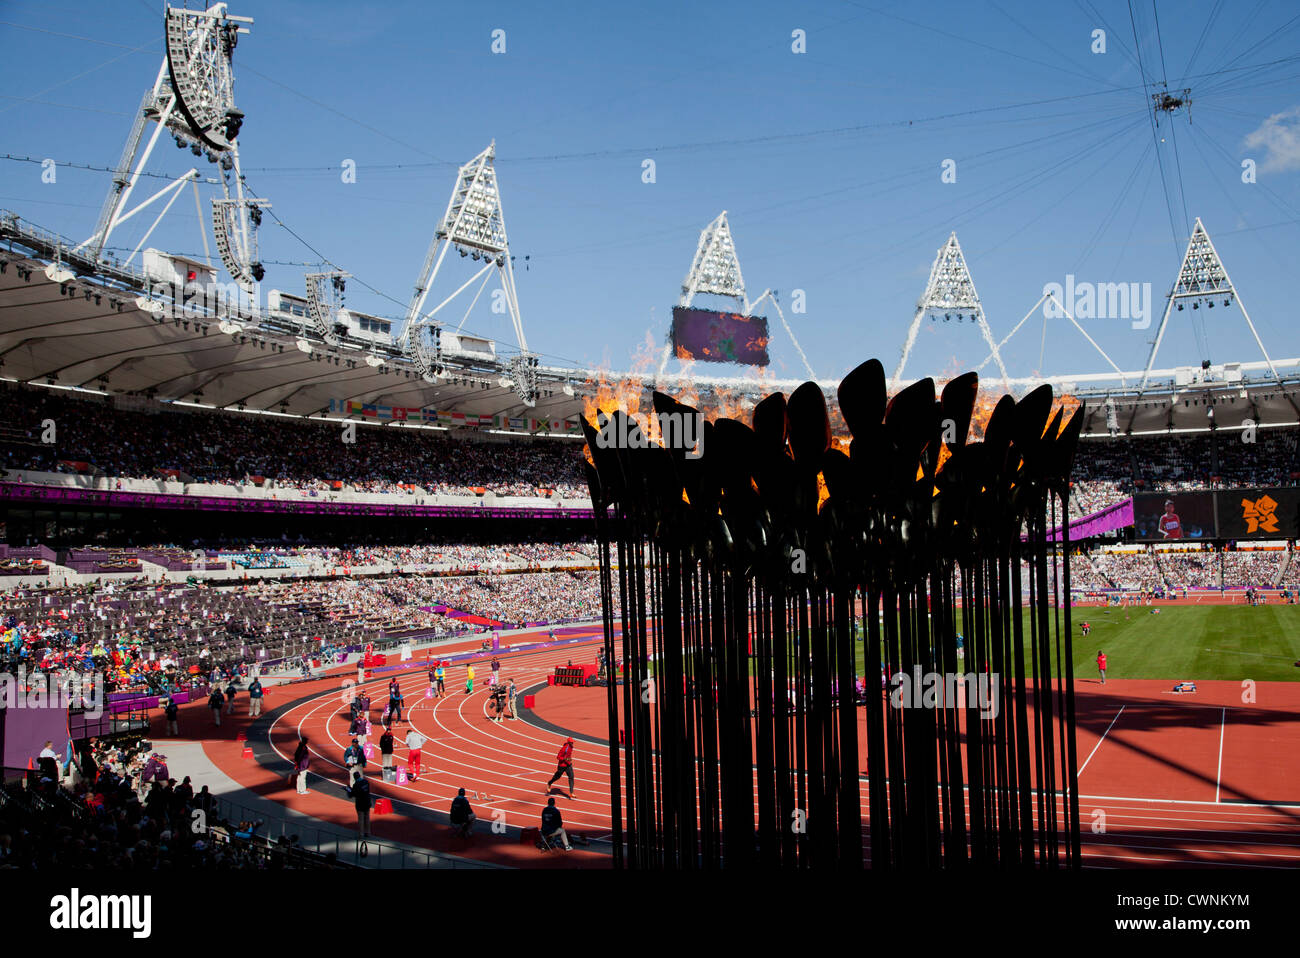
(1101, 666)
(563, 765)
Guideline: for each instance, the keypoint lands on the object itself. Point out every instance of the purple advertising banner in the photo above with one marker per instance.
(1118, 516)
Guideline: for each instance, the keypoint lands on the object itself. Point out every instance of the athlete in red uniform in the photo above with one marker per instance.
(563, 766)
(1101, 666)
(1170, 526)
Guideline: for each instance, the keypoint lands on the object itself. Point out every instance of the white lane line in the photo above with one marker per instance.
(1218, 777)
(1103, 737)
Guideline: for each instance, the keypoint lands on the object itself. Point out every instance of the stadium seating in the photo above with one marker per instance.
(205, 447)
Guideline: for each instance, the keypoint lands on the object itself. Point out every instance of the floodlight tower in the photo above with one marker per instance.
(1202, 281)
(715, 270)
(950, 291)
(475, 227)
(193, 100)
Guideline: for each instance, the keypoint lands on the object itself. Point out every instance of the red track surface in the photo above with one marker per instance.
(1165, 780)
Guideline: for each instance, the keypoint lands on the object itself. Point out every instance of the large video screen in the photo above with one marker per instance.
(1165, 517)
(713, 337)
(1259, 513)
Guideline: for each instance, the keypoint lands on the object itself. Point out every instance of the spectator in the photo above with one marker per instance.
(301, 762)
(172, 712)
(360, 795)
(462, 815)
(553, 825)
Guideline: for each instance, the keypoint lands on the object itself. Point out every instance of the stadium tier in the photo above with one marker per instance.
(92, 438)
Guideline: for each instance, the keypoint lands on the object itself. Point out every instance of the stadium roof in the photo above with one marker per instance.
(95, 330)
(91, 325)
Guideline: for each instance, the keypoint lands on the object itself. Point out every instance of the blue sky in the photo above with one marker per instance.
(828, 162)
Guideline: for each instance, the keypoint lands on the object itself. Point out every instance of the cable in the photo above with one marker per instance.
(68, 36)
(120, 56)
(1155, 133)
(1205, 33)
(63, 106)
(1111, 32)
(959, 37)
(69, 165)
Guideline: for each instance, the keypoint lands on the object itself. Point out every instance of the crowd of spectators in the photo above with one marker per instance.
(318, 560)
(117, 808)
(1190, 570)
(511, 599)
(154, 637)
(1154, 570)
(227, 447)
(1251, 569)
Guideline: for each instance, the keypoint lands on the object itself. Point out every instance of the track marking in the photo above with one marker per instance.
(1218, 776)
(1102, 739)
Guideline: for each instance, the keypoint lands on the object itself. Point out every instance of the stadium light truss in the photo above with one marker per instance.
(1202, 279)
(325, 301)
(715, 270)
(473, 225)
(193, 100)
(949, 290)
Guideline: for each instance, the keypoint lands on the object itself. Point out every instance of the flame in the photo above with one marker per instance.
(631, 394)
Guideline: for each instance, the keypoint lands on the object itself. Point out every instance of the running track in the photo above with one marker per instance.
(1164, 783)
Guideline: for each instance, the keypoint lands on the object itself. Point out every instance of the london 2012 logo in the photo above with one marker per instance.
(1260, 514)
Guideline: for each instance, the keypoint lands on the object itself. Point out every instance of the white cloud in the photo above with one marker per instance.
(1279, 137)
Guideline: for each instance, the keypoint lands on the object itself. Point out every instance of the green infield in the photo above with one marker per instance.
(1191, 642)
(1232, 642)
